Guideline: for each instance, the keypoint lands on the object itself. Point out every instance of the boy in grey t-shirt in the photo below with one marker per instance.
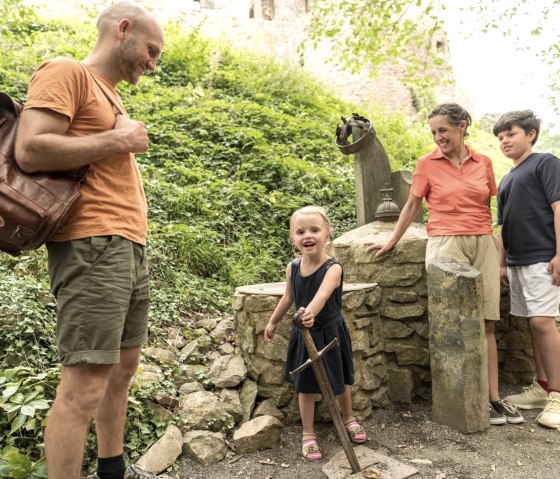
(529, 218)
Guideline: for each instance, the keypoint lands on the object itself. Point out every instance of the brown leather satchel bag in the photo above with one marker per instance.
(32, 206)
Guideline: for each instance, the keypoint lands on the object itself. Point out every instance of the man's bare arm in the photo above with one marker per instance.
(42, 143)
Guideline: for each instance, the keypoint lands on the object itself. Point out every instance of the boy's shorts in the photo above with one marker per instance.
(532, 292)
(101, 287)
(479, 251)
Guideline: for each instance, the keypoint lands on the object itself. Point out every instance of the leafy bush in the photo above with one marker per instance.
(237, 143)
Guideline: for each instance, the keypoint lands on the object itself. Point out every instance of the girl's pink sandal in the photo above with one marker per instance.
(310, 450)
(356, 432)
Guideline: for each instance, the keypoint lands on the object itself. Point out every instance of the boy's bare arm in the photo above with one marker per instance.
(502, 258)
(554, 265)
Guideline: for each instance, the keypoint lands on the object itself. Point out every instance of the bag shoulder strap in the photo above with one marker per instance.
(102, 88)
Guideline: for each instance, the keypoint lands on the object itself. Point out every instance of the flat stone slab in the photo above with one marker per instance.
(370, 462)
(277, 289)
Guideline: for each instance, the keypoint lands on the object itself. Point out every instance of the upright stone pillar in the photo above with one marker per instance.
(458, 353)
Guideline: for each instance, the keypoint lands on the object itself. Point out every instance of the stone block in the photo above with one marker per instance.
(402, 311)
(373, 297)
(402, 296)
(275, 351)
(237, 302)
(373, 374)
(458, 353)
(400, 387)
(361, 323)
(246, 339)
(353, 299)
(396, 329)
(359, 340)
(422, 328)
(408, 354)
(387, 275)
(256, 303)
(410, 251)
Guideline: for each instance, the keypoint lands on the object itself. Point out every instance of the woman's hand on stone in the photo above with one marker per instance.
(382, 248)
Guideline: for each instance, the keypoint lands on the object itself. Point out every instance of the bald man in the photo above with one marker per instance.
(74, 120)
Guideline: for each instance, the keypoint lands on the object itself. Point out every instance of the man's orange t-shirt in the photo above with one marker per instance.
(113, 200)
(457, 197)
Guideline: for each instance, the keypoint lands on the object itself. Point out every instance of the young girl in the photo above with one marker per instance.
(314, 283)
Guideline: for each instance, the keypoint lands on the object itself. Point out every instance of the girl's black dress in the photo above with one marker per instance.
(329, 324)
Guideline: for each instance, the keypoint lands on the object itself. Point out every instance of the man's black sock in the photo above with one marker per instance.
(111, 467)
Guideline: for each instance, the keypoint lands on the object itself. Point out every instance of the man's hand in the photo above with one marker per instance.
(134, 134)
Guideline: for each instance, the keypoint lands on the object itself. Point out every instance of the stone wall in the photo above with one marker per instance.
(253, 306)
(402, 308)
(388, 323)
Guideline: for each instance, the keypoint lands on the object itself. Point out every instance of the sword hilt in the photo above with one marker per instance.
(309, 362)
(296, 319)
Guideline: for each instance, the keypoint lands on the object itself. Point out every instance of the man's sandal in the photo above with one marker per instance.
(356, 432)
(310, 450)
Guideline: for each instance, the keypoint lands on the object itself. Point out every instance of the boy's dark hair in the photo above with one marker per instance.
(454, 112)
(524, 119)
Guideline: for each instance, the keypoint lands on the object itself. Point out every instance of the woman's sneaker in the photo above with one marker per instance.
(550, 417)
(496, 418)
(507, 410)
(532, 397)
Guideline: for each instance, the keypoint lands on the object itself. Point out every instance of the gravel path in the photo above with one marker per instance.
(405, 433)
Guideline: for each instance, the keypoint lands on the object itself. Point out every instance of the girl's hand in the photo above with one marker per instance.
(308, 319)
(269, 332)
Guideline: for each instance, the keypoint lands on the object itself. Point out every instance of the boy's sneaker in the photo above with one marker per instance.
(496, 418)
(550, 417)
(532, 397)
(508, 410)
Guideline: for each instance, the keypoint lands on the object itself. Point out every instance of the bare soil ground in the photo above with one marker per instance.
(405, 433)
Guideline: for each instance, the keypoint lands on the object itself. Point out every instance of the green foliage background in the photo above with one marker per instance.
(237, 143)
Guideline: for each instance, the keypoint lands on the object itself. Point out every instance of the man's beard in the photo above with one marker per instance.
(128, 65)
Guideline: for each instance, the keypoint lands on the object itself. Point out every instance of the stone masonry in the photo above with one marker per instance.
(253, 307)
(386, 311)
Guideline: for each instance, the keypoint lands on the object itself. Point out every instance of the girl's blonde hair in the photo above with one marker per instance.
(320, 211)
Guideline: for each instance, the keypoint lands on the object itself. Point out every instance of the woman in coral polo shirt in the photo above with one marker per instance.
(457, 184)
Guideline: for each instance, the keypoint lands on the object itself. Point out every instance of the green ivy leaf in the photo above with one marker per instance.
(17, 423)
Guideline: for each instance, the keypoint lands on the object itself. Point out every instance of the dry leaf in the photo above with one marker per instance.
(371, 473)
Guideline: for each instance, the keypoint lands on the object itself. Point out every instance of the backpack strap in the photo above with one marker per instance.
(102, 88)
